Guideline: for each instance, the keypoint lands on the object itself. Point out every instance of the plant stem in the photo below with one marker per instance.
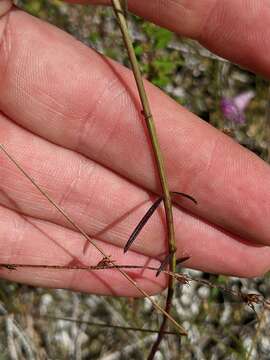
(182, 278)
(90, 323)
(158, 158)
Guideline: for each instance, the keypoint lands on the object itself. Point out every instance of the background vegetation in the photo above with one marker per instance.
(220, 326)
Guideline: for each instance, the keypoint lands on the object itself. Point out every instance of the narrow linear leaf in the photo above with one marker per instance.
(167, 260)
(141, 224)
(164, 263)
(182, 259)
(186, 196)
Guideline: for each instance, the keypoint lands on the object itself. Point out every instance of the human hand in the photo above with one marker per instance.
(72, 120)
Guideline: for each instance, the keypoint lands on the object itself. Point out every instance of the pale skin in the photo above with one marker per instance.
(72, 119)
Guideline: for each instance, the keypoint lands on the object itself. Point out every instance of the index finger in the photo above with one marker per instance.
(236, 30)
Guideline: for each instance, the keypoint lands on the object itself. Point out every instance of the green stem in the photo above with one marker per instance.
(157, 153)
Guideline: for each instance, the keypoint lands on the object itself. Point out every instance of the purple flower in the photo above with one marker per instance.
(233, 108)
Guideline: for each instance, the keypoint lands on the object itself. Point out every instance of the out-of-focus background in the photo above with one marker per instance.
(220, 326)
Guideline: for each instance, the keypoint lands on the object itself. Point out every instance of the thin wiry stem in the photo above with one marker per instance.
(182, 278)
(90, 323)
(180, 329)
(158, 157)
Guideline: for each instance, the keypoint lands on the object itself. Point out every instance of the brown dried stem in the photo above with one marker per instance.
(247, 298)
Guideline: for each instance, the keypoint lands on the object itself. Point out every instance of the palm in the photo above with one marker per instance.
(72, 120)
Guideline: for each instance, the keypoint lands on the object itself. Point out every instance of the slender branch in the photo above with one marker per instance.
(182, 278)
(180, 329)
(125, 328)
(105, 266)
(91, 323)
(158, 157)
